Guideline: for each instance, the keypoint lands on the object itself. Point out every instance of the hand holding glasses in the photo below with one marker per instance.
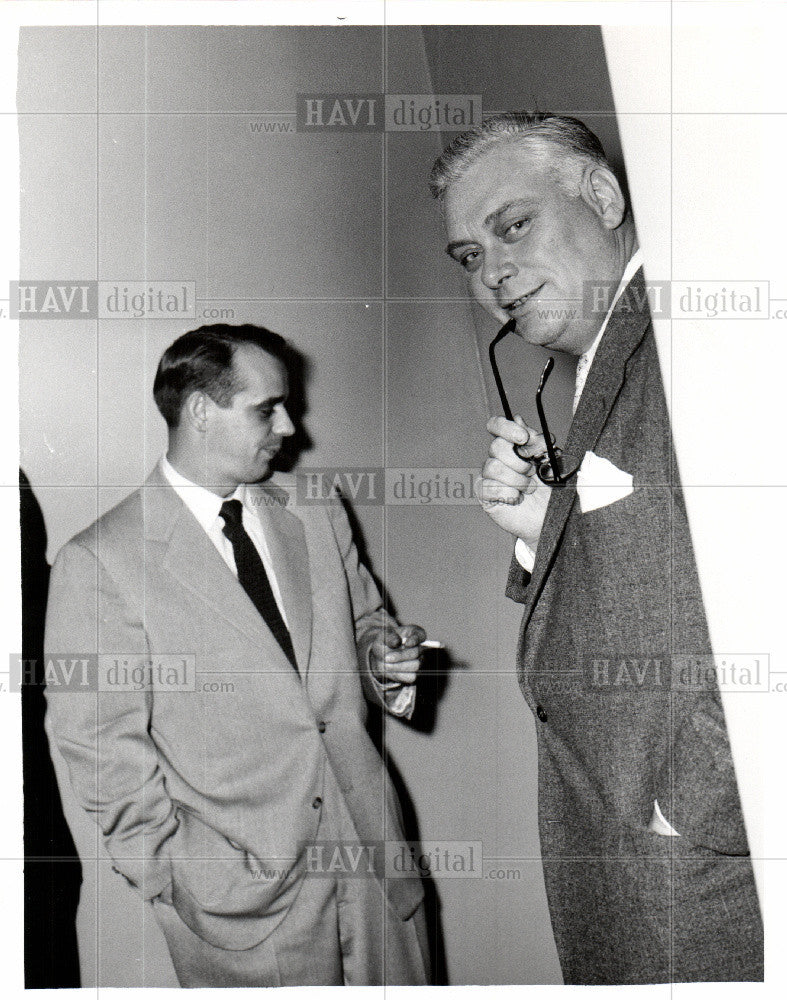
(548, 465)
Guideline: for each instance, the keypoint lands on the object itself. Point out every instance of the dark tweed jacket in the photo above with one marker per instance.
(612, 631)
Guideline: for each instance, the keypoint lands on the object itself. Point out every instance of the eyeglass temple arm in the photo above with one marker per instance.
(504, 331)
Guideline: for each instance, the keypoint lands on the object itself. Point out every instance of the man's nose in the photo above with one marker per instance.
(497, 268)
(283, 425)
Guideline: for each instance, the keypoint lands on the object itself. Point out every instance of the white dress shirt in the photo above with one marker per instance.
(205, 506)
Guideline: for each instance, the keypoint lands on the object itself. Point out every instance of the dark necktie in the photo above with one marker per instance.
(252, 575)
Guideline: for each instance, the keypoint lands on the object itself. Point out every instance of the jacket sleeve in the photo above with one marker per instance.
(101, 728)
(369, 617)
(518, 579)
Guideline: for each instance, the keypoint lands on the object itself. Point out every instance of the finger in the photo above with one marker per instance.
(507, 453)
(380, 650)
(405, 673)
(412, 635)
(535, 444)
(500, 427)
(389, 637)
(409, 678)
(409, 655)
(499, 472)
(489, 492)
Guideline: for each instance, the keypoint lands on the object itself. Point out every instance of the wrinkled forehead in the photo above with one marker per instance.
(518, 169)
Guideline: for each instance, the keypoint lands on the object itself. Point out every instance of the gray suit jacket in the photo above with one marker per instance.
(215, 792)
(613, 616)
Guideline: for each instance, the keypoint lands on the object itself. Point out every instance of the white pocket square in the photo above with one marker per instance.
(600, 483)
(658, 824)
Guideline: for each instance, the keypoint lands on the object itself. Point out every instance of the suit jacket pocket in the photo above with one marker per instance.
(225, 896)
(699, 778)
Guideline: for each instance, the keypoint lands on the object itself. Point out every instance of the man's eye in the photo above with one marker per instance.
(516, 227)
(469, 260)
(266, 413)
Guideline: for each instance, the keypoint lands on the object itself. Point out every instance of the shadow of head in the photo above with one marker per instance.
(299, 372)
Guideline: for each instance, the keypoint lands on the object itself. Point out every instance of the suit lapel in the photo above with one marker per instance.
(625, 330)
(192, 559)
(286, 541)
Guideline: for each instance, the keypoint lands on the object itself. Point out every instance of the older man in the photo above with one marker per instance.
(643, 843)
(230, 637)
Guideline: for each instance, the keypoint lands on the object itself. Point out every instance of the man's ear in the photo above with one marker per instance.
(600, 190)
(195, 411)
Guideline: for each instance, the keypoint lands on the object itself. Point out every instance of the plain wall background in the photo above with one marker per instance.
(334, 241)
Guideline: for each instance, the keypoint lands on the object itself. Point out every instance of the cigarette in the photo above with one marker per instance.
(432, 644)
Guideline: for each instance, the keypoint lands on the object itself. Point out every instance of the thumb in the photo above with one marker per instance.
(390, 638)
(412, 635)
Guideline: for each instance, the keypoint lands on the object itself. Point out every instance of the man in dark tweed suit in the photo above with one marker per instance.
(644, 848)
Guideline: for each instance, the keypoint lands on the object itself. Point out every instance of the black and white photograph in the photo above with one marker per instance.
(394, 498)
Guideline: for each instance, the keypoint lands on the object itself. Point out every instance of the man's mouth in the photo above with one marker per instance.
(516, 304)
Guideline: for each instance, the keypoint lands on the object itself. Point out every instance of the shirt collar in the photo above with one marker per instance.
(634, 264)
(203, 504)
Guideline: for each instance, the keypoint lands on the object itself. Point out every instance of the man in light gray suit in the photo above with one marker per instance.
(644, 848)
(232, 639)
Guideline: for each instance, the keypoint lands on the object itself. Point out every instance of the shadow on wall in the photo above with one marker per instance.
(433, 681)
(299, 369)
(376, 726)
(52, 872)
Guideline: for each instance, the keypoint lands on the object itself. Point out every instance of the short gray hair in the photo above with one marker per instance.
(567, 142)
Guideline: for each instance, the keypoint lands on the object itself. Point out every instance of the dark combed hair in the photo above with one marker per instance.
(568, 139)
(201, 360)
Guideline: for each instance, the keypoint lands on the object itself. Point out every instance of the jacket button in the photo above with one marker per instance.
(541, 713)
(316, 802)
(321, 727)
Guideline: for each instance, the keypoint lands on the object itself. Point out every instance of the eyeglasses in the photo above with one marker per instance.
(548, 465)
